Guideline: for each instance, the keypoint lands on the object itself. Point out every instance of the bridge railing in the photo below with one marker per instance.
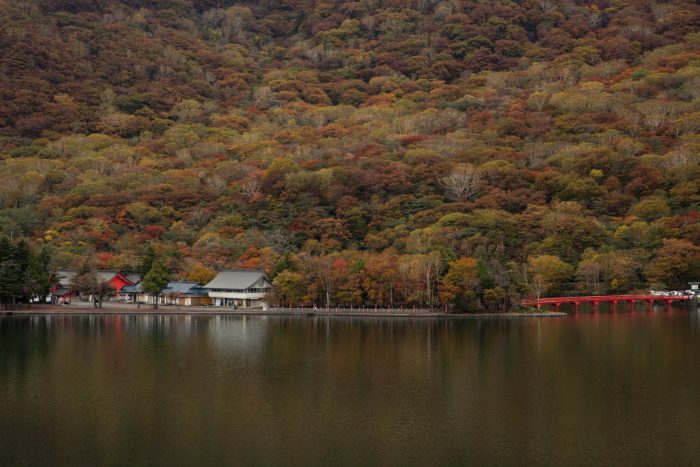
(604, 298)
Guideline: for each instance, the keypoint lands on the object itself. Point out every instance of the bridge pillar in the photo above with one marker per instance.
(613, 306)
(576, 304)
(595, 306)
(556, 306)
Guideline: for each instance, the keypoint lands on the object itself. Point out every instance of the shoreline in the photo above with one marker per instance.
(119, 310)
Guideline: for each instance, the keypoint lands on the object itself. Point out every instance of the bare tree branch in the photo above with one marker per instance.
(461, 183)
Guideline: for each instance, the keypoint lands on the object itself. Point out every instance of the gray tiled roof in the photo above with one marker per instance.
(106, 276)
(65, 277)
(191, 288)
(138, 288)
(236, 280)
(135, 278)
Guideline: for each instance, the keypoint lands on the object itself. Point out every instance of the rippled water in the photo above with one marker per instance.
(604, 389)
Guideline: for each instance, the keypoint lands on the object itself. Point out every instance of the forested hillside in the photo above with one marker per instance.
(458, 153)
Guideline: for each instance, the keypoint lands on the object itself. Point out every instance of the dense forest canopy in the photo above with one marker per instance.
(386, 152)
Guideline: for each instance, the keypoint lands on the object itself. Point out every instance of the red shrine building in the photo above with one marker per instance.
(62, 292)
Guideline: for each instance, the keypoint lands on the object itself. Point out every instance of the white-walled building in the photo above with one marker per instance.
(175, 293)
(240, 288)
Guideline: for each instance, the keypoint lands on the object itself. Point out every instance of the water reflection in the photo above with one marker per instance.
(603, 389)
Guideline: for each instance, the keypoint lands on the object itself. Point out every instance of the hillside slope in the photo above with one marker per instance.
(456, 152)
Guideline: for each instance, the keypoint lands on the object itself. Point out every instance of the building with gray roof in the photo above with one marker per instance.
(240, 288)
(185, 293)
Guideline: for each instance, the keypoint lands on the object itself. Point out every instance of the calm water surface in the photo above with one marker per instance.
(599, 390)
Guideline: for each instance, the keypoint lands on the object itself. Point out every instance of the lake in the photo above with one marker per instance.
(586, 390)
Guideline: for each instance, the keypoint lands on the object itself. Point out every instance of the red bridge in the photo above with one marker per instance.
(613, 300)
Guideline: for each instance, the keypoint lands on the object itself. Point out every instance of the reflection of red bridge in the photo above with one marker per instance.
(613, 300)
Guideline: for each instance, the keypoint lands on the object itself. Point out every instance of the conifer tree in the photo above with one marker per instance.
(155, 280)
(149, 257)
(40, 278)
(23, 258)
(10, 273)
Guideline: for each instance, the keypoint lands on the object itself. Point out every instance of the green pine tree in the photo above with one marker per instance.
(149, 257)
(23, 257)
(155, 280)
(40, 278)
(10, 273)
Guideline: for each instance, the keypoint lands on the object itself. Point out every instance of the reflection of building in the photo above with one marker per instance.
(239, 288)
(238, 335)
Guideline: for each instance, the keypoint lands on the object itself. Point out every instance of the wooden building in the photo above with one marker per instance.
(185, 294)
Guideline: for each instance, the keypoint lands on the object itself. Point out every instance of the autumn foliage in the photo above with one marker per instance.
(372, 153)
